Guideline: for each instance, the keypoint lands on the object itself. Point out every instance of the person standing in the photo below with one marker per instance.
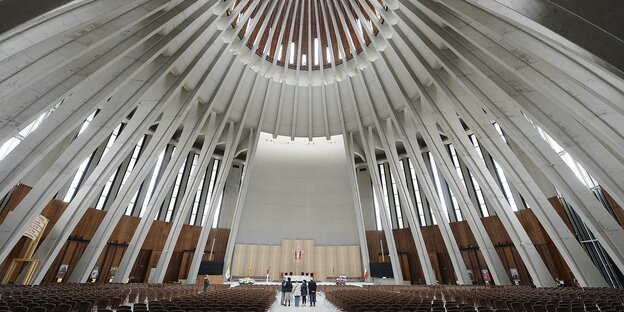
(312, 292)
(283, 291)
(304, 292)
(288, 287)
(206, 283)
(297, 293)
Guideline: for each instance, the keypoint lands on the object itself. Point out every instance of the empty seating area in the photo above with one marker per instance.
(476, 299)
(132, 298)
(243, 298)
(86, 297)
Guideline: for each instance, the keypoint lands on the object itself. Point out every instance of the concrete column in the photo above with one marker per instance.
(231, 147)
(13, 227)
(366, 198)
(436, 147)
(204, 194)
(371, 161)
(173, 116)
(552, 88)
(36, 58)
(386, 224)
(253, 140)
(168, 176)
(349, 146)
(387, 179)
(230, 194)
(143, 91)
(543, 209)
(234, 135)
(414, 151)
(178, 220)
(400, 179)
(491, 189)
(359, 217)
(507, 114)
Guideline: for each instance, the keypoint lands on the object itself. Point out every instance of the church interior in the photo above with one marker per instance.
(403, 155)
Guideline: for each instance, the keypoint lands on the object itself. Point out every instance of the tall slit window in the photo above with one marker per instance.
(196, 201)
(82, 168)
(438, 183)
(384, 189)
(502, 177)
(419, 204)
(174, 194)
(397, 203)
(152, 183)
(456, 163)
(480, 199)
(577, 168)
(109, 183)
(133, 160)
(377, 211)
(13, 142)
(211, 187)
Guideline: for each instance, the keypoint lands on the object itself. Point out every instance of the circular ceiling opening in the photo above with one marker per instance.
(307, 41)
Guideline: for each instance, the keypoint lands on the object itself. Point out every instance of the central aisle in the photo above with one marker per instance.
(321, 305)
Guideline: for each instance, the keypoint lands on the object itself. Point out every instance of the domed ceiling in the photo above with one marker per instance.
(307, 42)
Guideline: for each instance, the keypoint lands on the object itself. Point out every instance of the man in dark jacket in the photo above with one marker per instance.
(283, 292)
(312, 292)
(288, 292)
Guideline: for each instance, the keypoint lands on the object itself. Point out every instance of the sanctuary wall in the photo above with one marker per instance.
(300, 257)
(298, 190)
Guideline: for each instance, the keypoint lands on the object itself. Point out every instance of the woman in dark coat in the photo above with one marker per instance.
(304, 292)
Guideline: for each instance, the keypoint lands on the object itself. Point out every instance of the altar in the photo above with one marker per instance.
(297, 278)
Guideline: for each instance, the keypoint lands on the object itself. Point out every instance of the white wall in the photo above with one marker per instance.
(299, 190)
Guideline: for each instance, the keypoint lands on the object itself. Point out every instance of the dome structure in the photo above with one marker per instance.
(307, 42)
(429, 141)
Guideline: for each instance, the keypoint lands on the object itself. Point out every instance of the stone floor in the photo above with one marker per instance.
(321, 305)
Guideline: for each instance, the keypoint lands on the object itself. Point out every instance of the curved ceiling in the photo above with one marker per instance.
(414, 48)
(306, 42)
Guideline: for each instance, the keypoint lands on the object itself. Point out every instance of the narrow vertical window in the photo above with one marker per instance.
(421, 210)
(480, 199)
(211, 187)
(397, 203)
(196, 201)
(133, 160)
(316, 51)
(292, 53)
(75, 183)
(457, 165)
(152, 183)
(377, 211)
(384, 189)
(174, 194)
(438, 184)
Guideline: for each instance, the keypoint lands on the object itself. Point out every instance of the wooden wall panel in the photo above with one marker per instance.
(157, 236)
(15, 197)
(375, 240)
(617, 208)
(544, 245)
(52, 212)
(556, 203)
(406, 246)
(220, 239)
(324, 262)
(327, 261)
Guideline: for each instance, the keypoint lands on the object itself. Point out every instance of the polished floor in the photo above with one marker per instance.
(321, 305)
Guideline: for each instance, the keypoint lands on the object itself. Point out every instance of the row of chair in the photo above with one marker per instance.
(476, 299)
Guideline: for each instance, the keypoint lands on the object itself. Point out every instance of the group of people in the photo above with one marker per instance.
(298, 290)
